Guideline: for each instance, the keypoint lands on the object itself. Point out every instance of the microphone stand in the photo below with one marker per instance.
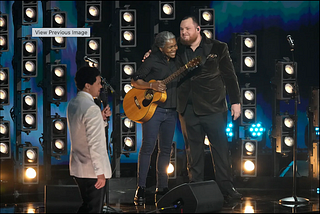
(104, 100)
(294, 200)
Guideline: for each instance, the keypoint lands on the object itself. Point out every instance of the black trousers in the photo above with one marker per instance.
(92, 198)
(194, 128)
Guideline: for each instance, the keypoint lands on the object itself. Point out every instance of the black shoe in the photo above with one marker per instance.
(139, 198)
(232, 194)
(159, 193)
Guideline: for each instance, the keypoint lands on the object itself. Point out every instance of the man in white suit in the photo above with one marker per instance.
(89, 161)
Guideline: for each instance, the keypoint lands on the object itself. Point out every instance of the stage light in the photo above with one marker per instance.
(93, 46)
(4, 96)
(93, 11)
(58, 126)
(126, 88)
(57, 89)
(206, 17)
(255, 131)
(128, 32)
(93, 50)
(4, 43)
(127, 69)
(3, 22)
(29, 115)
(5, 146)
(4, 33)
(167, 10)
(206, 22)
(30, 165)
(209, 34)
(4, 149)
(248, 116)
(4, 86)
(284, 133)
(29, 58)
(248, 207)
(58, 19)
(128, 135)
(285, 79)
(245, 56)
(29, 12)
(229, 131)
(128, 123)
(128, 36)
(249, 158)
(172, 167)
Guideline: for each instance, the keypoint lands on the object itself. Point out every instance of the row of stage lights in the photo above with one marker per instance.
(56, 79)
(25, 14)
(4, 32)
(245, 62)
(5, 137)
(284, 125)
(244, 57)
(5, 145)
(92, 54)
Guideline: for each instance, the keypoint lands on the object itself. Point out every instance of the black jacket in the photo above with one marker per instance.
(210, 83)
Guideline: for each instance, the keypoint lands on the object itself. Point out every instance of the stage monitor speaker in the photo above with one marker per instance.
(62, 198)
(197, 197)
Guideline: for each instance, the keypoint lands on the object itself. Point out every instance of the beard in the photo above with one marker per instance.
(191, 40)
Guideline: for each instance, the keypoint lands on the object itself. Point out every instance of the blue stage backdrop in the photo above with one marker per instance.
(271, 21)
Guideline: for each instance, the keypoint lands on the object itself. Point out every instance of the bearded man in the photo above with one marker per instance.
(202, 104)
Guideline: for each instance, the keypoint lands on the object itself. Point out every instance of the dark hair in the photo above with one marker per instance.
(161, 39)
(194, 19)
(85, 75)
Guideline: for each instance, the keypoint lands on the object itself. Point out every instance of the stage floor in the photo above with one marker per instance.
(65, 199)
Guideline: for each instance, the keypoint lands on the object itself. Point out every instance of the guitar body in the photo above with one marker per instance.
(139, 105)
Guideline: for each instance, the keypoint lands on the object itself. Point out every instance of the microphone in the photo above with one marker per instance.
(290, 40)
(105, 83)
(104, 98)
(87, 59)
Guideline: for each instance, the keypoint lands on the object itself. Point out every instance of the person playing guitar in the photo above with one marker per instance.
(161, 125)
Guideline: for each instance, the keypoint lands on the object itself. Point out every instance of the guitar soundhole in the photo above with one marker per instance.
(148, 97)
(148, 94)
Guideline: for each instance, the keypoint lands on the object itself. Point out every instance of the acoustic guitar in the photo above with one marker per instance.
(139, 105)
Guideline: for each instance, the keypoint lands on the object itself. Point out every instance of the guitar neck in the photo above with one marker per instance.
(174, 75)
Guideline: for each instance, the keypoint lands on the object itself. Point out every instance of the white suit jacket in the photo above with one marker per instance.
(88, 156)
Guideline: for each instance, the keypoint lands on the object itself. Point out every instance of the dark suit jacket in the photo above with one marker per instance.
(208, 86)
